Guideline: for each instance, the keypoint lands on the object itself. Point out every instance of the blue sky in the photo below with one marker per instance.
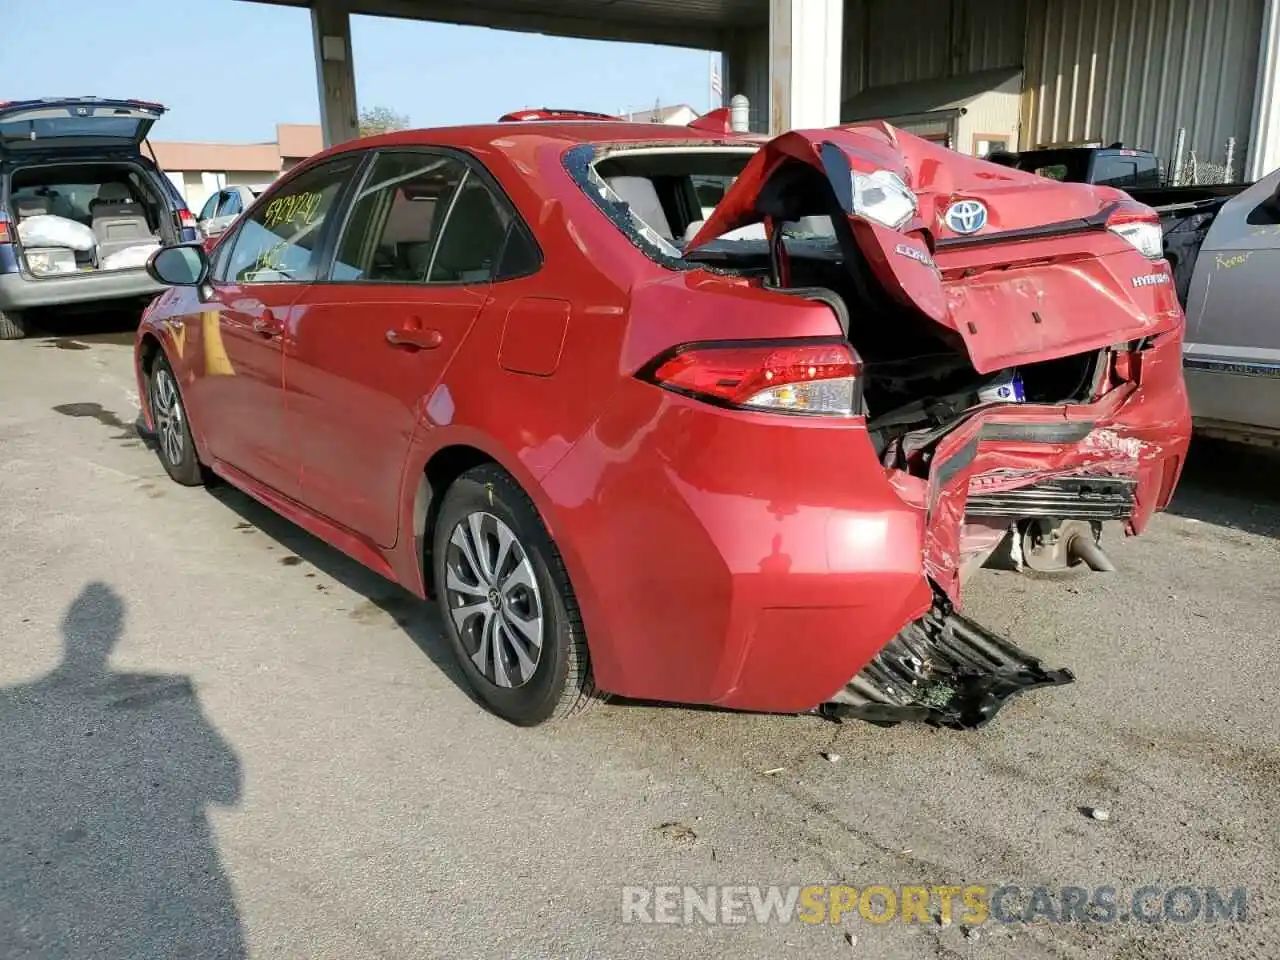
(184, 55)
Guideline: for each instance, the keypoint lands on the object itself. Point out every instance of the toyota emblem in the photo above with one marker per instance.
(966, 216)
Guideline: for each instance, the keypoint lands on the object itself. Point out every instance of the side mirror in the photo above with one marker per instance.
(183, 265)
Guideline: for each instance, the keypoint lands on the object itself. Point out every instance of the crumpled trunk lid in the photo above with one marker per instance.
(1020, 268)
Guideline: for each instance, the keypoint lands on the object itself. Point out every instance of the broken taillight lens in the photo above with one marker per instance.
(1141, 227)
(817, 377)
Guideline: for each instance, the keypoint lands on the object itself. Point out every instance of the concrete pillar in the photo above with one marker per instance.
(335, 71)
(745, 71)
(806, 40)
(1264, 133)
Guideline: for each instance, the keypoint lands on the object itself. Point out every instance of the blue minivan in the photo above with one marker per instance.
(80, 159)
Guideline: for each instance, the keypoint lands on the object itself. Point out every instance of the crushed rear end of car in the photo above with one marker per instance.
(1014, 351)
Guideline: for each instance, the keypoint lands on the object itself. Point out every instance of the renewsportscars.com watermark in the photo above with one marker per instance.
(971, 905)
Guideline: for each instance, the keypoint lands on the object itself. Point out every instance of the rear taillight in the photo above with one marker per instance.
(186, 219)
(817, 377)
(5, 235)
(1141, 227)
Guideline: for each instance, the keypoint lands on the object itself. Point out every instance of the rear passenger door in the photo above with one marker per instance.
(418, 252)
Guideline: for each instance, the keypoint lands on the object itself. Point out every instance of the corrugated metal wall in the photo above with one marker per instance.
(990, 34)
(1138, 70)
(907, 41)
(891, 41)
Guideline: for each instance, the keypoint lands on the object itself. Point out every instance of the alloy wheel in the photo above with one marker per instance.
(493, 598)
(166, 409)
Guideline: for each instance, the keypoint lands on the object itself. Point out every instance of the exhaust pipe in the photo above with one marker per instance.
(1087, 551)
(1050, 546)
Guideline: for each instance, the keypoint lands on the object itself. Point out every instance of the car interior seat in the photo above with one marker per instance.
(118, 219)
(30, 207)
(404, 248)
(641, 196)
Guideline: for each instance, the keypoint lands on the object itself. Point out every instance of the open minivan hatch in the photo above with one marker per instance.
(1019, 348)
(75, 122)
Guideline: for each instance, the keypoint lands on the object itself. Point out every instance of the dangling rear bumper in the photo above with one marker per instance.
(945, 670)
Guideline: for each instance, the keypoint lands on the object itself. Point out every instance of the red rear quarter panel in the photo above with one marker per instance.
(749, 560)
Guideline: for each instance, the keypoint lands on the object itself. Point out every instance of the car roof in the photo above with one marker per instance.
(510, 149)
(503, 137)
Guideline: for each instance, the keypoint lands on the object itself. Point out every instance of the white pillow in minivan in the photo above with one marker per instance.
(46, 230)
(135, 256)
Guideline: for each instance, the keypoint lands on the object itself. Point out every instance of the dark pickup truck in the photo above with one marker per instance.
(1185, 211)
(1137, 172)
(1113, 166)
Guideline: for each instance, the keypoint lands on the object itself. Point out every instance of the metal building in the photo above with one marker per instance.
(977, 73)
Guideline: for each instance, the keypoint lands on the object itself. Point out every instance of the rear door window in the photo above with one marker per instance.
(396, 217)
(422, 217)
(520, 255)
(471, 245)
(281, 242)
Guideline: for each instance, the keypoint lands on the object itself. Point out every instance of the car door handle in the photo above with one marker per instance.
(415, 339)
(267, 325)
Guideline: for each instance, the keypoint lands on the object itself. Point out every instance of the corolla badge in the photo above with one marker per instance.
(966, 216)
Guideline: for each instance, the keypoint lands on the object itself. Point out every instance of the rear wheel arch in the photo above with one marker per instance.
(442, 468)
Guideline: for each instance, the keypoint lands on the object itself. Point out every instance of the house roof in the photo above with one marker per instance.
(298, 140)
(294, 141)
(222, 157)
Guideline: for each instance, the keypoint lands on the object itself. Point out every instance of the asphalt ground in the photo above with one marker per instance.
(221, 738)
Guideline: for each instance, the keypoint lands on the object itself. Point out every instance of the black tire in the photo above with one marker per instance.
(13, 325)
(173, 441)
(561, 684)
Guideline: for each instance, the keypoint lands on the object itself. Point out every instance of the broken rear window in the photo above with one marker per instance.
(658, 195)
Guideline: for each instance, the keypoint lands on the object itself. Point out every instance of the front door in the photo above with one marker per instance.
(414, 266)
(258, 274)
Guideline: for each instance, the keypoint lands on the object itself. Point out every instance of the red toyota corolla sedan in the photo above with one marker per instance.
(678, 416)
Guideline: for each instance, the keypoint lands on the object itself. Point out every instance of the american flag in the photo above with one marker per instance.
(716, 90)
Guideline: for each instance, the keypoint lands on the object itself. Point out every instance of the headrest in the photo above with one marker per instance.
(112, 192)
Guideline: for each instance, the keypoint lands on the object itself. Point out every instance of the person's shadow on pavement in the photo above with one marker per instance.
(105, 850)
